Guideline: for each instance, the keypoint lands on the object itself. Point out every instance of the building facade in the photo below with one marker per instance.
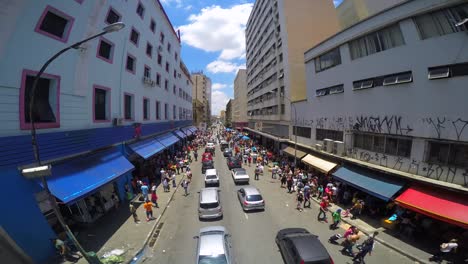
(239, 105)
(276, 40)
(107, 93)
(381, 94)
(201, 90)
(228, 114)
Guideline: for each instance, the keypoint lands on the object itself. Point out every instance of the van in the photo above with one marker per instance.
(211, 177)
(210, 205)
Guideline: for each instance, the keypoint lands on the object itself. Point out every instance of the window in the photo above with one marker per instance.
(159, 59)
(174, 112)
(112, 16)
(158, 79)
(149, 50)
(161, 38)
(167, 66)
(147, 73)
(330, 90)
(105, 50)
(181, 112)
(175, 74)
(449, 154)
(176, 56)
(384, 39)
(128, 106)
(153, 25)
(134, 36)
(302, 131)
(145, 108)
(46, 109)
(101, 104)
(168, 47)
(131, 64)
(404, 77)
(363, 84)
(174, 89)
(166, 84)
(158, 110)
(391, 145)
(321, 134)
(442, 22)
(337, 89)
(140, 10)
(283, 109)
(55, 24)
(328, 60)
(448, 71)
(180, 92)
(166, 111)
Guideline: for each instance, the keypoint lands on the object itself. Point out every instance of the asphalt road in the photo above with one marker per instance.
(252, 233)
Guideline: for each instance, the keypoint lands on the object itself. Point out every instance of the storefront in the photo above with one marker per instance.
(182, 136)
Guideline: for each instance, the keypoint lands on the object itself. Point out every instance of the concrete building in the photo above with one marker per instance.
(228, 117)
(239, 105)
(201, 90)
(352, 11)
(222, 115)
(91, 105)
(384, 95)
(278, 33)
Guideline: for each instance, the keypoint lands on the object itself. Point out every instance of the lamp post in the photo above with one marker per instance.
(42, 171)
(294, 128)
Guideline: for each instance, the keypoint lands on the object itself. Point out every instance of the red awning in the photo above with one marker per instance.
(440, 204)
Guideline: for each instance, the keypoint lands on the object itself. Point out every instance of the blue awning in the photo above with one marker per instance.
(167, 139)
(76, 178)
(373, 184)
(187, 131)
(180, 134)
(193, 129)
(147, 148)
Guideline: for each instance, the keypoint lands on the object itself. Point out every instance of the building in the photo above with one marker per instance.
(222, 115)
(276, 39)
(382, 96)
(228, 114)
(353, 11)
(239, 105)
(201, 90)
(92, 105)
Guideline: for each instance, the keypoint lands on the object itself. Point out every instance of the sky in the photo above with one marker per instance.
(213, 40)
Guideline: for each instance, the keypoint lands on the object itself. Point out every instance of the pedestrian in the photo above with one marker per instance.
(320, 191)
(249, 160)
(178, 167)
(195, 155)
(300, 199)
(165, 185)
(323, 211)
(283, 180)
(144, 191)
(336, 219)
(257, 172)
(290, 184)
(349, 243)
(115, 200)
(444, 250)
(351, 230)
(357, 209)
(133, 212)
(154, 199)
(366, 247)
(185, 186)
(307, 197)
(274, 170)
(174, 180)
(148, 206)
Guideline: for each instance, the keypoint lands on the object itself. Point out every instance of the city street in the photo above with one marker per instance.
(252, 233)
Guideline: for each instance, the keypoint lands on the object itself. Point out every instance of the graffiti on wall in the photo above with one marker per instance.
(385, 124)
(443, 126)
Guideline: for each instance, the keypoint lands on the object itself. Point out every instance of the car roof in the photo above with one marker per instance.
(212, 244)
(209, 195)
(210, 172)
(310, 248)
(250, 190)
(239, 170)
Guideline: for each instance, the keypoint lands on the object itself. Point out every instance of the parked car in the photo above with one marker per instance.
(224, 145)
(233, 162)
(211, 177)
(297, 245)
(209, 206)
(227, 152)
(214, 246)
(239, 175)
(250, 199)
(208, 164)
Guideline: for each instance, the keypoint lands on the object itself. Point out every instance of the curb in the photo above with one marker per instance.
(158, 219)
(383, 242)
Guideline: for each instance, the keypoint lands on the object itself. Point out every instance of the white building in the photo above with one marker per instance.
(393, 88)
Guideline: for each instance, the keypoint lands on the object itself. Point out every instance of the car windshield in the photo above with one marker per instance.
(211, 176)
(218, 259)
(254, 198)
(208, 205)
(241, 171)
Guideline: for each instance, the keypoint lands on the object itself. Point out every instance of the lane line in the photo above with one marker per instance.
(246, 216)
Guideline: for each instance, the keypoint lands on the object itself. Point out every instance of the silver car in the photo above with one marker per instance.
(214, 246)
(210, 205)
(250, 198)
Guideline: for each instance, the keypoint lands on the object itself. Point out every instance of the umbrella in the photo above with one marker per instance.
(254, 148)
(245, 138)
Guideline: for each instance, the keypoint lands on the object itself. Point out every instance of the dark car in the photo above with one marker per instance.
(227, 152)
(224, 145)
(234, 162)
(297, 245)
(208, 164)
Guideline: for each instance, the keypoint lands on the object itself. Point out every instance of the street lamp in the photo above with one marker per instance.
(40, 171)
(294, 127)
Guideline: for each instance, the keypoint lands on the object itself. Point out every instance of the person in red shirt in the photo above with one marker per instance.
(323, 211)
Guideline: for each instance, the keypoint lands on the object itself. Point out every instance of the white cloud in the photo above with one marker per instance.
(219, 66)
(218, 102)
(188, 8)
(218, 29)
(178, 3)
(218, 86)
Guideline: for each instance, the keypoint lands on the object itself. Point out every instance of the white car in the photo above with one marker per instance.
(239, 175)
(211, 177)
(210, 145)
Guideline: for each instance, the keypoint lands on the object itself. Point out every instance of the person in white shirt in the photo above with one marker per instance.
(445, 249)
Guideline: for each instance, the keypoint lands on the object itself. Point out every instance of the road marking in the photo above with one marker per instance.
(246, 216)
(287, 205)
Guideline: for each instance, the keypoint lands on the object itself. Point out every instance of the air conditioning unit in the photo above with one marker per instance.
(318, 146)
(338, 148)
(118, 121)
(328, 145)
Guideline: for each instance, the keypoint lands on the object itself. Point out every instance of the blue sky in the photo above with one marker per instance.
(212, 33)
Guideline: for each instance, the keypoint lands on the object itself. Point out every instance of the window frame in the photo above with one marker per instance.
(115, 11)
(146, 51)
(134, 63)
(152, 21)
(174, 112)
(149, 71)
(132, 106)
(111, 59)
(142, 16)
(147, 108)
(158, 110)
(318, 60)
(166, 111)
(38, 125)
(108, 103)
(67, 30)
(158, 79)
(130, 37)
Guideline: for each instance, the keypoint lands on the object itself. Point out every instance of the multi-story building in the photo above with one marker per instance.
(222, 115)
(388, 94)
(108, 93)
(278, 33)
(239, 105)
(228, 114)
(201, 90)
